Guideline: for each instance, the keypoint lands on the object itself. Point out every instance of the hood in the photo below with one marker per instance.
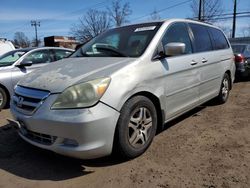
(57, 76)
(4, 68)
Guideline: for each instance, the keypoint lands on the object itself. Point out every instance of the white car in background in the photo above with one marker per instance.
(5, 46)
(15, 64)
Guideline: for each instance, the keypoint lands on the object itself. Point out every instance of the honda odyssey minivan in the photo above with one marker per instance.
(114, 92)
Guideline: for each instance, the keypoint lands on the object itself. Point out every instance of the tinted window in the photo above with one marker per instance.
(60, 54)
(129, 41)
(178, 32)
(219, 39)
(42, 56)
(201, 38)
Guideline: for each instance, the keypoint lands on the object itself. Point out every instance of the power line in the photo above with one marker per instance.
(164, 9)
(234, 19)
(75, 12)
(230, 17)
(226, 14)
(17, 28)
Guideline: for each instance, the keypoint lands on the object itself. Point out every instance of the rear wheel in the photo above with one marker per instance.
(3, 98)
(224, 89)
(136, 127)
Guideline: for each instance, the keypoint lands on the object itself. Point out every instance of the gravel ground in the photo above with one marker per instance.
(208, 147)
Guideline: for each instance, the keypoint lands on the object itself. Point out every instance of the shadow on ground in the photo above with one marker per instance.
(24, 160)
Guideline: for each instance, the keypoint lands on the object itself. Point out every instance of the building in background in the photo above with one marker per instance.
(60, 41)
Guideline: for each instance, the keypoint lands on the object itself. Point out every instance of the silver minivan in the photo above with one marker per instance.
(113, 93)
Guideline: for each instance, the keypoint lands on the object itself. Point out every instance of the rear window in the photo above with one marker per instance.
(219, 39)
(201, 38)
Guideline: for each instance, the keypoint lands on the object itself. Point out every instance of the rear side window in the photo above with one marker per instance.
(178, 32)
(60, 54)
(219, 39)
(202, 40)
(41, 56)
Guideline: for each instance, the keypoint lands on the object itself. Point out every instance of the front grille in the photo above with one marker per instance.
(27, 100)
(38, 137)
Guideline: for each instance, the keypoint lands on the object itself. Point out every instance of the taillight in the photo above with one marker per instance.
(239, 58)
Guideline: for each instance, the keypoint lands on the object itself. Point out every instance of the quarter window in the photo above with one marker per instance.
(60, 54)
(178, 32)
(219, 39)
(201, 38)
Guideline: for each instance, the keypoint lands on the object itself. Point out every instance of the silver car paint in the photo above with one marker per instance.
(66, 72)
(10, 75)
(177, 84)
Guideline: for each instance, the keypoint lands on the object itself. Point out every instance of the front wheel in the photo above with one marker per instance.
(3, 98)
(136, 127)
(224, 89)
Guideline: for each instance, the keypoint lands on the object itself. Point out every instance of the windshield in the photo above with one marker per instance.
(11, 57)
(128, 41)
(238, 48)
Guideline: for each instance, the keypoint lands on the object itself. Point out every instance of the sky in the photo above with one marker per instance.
(56, 17)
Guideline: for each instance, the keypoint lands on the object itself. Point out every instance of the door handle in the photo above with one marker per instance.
(204, 60)
(193, 63)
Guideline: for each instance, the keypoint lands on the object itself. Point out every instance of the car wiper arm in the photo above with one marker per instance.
(111, 50)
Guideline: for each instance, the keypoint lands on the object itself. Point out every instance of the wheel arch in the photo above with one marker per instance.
(228, 72)
(6, 91)
(156, 101)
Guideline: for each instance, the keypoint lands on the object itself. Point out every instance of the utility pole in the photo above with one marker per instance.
(234, 18)
(203, 10)
(199, 17)
(35, 24)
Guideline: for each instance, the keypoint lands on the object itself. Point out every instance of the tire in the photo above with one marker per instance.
(3, 98)
(224, 89)
(136, 127)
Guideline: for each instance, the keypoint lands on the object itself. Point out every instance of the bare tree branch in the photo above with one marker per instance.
(119, 12)
(155, 15)
(21, 40)
(212, 9)
(91, 25)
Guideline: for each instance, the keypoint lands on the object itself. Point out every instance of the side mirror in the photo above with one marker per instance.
(24, 63)
(174, 48)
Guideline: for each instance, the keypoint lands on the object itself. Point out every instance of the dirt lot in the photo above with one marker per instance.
(208, 147)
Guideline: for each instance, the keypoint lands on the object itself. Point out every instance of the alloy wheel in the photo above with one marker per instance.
(140, 127)
(225, 88)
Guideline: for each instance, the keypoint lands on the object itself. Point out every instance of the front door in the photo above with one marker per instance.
(182, 77)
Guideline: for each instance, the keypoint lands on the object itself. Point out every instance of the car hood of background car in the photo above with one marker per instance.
(62, 74)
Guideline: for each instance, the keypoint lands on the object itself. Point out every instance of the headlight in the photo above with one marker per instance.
(82, 95)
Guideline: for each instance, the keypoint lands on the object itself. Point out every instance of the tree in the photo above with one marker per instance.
(92, 24)
(246, 31)
(119, 12)
(225, 28)
(21, 40)
(155, 15)
(210, 9)
(35, 43)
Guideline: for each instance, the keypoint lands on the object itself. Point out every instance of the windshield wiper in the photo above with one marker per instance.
(111, 50)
